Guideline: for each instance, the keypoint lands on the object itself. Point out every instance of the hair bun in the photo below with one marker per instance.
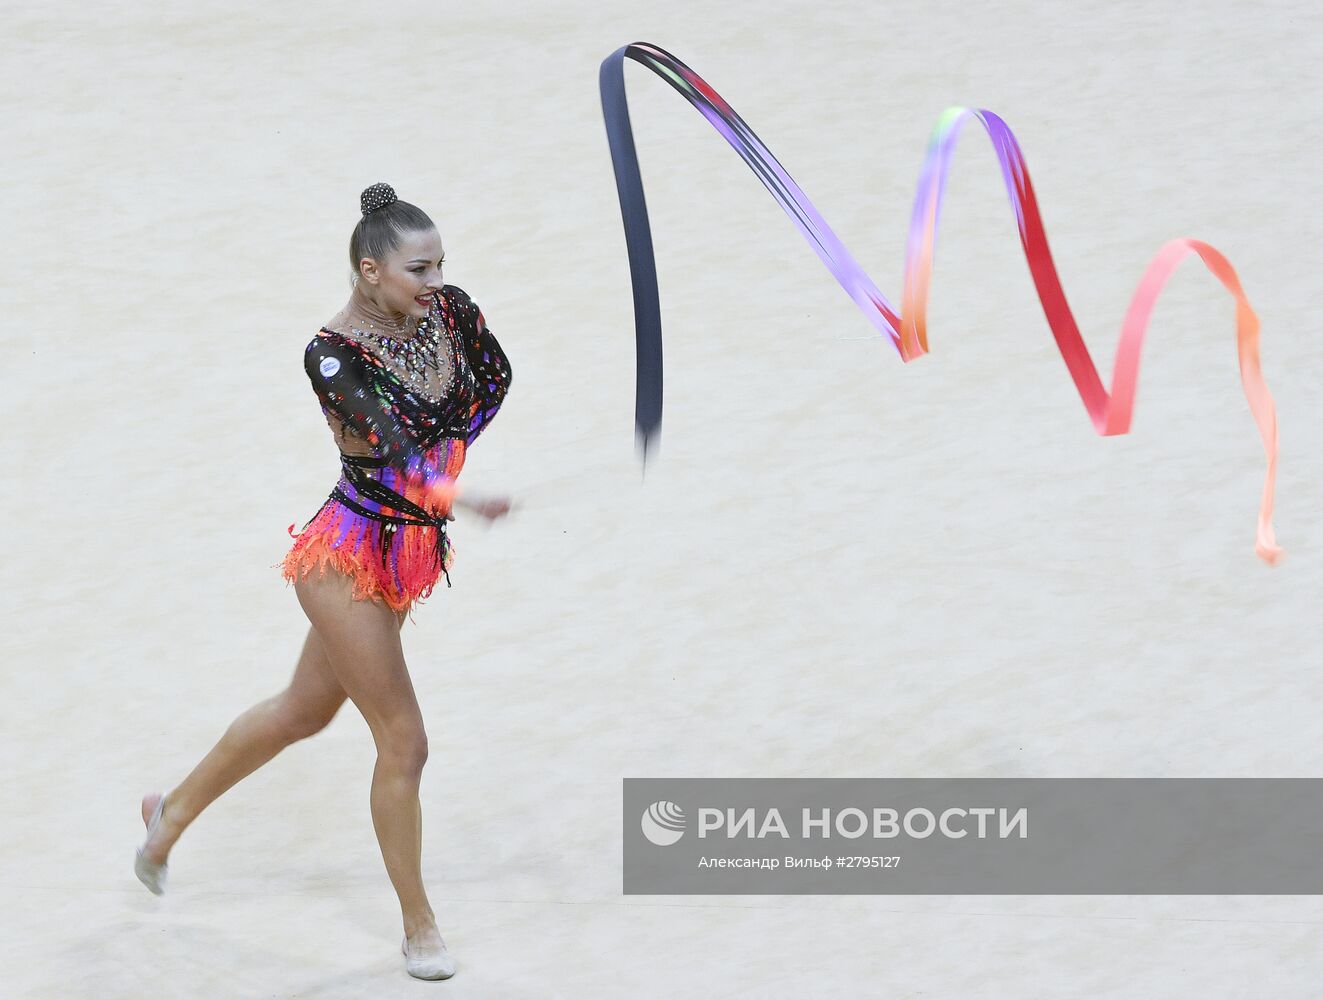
(379, 195)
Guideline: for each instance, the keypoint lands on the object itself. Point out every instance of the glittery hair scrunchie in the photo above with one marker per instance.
(379, 195)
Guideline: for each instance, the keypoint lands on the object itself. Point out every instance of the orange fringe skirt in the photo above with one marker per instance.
(396, 564)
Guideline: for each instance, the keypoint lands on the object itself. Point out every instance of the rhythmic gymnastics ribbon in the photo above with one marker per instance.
(906, 328)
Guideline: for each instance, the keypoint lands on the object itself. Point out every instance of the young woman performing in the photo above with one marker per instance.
(408, 376)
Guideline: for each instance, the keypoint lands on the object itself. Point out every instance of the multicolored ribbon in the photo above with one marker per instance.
(906, 328)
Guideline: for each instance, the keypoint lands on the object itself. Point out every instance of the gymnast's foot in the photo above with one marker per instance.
(167, 831)
(426, 955)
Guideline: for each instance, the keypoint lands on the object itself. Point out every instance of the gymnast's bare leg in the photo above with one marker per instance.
(304, 708)
(362, 643)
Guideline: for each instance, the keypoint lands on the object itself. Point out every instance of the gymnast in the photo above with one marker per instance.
(407, 375)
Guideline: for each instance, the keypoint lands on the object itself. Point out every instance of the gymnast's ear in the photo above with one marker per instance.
(369, 271)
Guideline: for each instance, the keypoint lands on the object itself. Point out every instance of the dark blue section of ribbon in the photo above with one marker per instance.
(638, 240)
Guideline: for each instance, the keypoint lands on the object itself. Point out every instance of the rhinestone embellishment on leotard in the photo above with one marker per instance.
(412, 359)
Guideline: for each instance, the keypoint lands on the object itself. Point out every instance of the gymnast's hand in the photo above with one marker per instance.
(490, 507)
(446, 495)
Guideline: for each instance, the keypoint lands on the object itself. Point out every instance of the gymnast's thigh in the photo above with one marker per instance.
(362, 644)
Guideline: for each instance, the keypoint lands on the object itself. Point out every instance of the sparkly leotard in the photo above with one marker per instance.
(376, 525)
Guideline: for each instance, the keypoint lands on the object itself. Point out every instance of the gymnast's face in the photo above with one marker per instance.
(405, 281)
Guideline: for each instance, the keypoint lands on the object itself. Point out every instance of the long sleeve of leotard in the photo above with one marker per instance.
(491, 368)
(346, 386)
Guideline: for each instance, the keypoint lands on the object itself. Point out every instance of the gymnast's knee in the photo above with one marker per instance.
(299, 724)
(403, 748)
